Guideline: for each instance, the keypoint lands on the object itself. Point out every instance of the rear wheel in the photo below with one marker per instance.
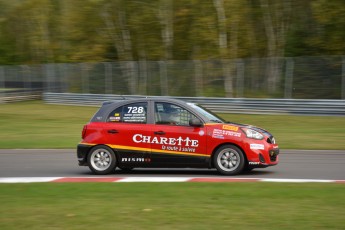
(101, 160)
(229, 160)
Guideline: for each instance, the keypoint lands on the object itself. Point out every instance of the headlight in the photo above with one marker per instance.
(250, 133)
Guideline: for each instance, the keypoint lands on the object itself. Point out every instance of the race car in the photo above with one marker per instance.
(161, 132)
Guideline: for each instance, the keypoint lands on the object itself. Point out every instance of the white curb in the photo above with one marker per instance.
(157, 179)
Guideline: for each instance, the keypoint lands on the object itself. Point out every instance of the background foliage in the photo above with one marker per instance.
(54, 31)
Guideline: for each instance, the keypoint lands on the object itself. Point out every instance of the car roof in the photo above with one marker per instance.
(109, 106)
(133, 100)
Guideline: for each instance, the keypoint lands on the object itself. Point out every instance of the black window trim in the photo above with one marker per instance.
(177, 104)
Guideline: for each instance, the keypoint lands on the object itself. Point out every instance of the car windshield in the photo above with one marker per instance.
(207, 113)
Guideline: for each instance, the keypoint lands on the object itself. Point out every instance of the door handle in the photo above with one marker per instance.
(113, 131)
(159, 133)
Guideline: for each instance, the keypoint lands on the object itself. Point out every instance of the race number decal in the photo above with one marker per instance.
(135, 113)
(135, 109)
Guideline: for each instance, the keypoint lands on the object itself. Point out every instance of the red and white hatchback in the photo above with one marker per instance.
(167, 133)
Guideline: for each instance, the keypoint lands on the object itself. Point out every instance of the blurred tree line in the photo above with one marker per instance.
(55, 31)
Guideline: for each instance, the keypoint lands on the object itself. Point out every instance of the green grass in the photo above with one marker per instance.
(172, 206)
(7, 89)
(165, 205)
(299, 132)
(39, 125)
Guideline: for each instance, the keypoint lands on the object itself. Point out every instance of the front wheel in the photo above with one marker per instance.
(101, 160)
(229, 160)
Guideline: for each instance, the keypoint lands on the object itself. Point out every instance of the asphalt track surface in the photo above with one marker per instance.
(294, 164)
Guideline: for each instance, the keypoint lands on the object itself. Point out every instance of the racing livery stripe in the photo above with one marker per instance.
(84, 143)
(123, 147)
(157, 179)
(180, 153)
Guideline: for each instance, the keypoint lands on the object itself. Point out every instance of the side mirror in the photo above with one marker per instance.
(195, 122)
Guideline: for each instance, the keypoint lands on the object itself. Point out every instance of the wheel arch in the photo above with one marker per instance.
(223, 144)
(117, 155)
(102, 159)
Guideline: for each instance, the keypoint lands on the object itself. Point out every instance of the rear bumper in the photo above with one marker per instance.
(82, 151)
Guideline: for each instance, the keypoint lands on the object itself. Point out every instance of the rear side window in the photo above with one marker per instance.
(131, 113)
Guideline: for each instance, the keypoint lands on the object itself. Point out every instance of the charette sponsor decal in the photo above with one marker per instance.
(179, 144)
(139, 138)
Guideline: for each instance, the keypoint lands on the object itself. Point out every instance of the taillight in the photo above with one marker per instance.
(84, 132)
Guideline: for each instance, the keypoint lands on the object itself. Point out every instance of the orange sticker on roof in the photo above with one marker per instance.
(230, 127)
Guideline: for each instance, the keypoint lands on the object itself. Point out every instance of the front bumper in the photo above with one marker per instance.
(273, 154)
(264, 159)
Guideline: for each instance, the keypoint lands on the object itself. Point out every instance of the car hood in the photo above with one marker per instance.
(258, 129)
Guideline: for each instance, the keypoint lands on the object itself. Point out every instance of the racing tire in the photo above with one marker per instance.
(229, 160)
(101, 160)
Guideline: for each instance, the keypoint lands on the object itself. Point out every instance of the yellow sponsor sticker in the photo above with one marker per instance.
(230, 127)
(117, 114)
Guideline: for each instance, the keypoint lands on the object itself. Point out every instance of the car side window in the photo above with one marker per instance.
(131, 113)
(171, 114)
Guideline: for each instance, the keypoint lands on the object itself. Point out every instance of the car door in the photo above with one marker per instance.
(123, 126)
(174, 142)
